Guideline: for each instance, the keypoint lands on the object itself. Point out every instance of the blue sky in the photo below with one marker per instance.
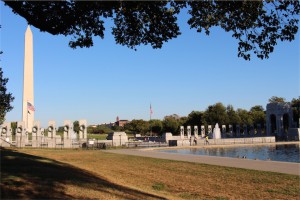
(107, 80)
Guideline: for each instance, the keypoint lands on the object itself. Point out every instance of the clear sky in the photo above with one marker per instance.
(107, 80)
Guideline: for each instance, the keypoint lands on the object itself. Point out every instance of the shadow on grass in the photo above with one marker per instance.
(25, 176)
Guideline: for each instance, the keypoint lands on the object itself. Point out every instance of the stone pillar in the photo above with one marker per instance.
(245, 131)
(209, 130)
(51, 139)
(268, 126)
(51, 129)
(181, 132)
(223, 131)
(68, 129)
(202, 131)
(196, 131)
(278, 125)
(290, 114)
(238, 131)
(21, 134)
(82, 129)
(189, 132)
(36, 129)
(230, 130)
(259, 132)
(251, 131)
(6, 131)
(36, 134)
(280, 130)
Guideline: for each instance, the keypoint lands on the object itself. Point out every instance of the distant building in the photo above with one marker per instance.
(109, 125)
(118, 122)
(121, 122)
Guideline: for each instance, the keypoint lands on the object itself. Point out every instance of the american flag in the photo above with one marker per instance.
(30, 106)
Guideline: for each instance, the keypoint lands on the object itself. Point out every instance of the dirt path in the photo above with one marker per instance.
(273, 166)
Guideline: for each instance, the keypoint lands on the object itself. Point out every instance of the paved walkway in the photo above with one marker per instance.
(272, 166)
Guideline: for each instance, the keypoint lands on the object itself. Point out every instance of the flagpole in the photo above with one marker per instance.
(150, 120)
(27, 115)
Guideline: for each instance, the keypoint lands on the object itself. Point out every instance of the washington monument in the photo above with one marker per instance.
(28, 98)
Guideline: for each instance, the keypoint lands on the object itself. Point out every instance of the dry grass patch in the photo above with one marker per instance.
(98, 174)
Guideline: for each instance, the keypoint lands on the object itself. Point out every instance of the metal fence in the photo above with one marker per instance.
(146, 144)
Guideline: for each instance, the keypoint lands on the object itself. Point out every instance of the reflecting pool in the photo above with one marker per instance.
(276, 152)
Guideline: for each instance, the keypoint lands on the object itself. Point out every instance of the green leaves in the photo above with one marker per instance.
(275, 99)
(5, 98)
(257, 25)
(144, 23)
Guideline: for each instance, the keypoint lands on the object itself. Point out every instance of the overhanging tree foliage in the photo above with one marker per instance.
(257, 25)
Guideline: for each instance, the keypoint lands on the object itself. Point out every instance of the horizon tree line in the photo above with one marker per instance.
(216, 113)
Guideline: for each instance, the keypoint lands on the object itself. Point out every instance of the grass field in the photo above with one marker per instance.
(94, 174)
(97, 136)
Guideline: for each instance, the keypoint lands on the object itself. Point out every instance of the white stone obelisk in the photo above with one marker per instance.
(28, 115)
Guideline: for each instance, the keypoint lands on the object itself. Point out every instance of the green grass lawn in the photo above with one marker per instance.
(94, 174)
(97, 136)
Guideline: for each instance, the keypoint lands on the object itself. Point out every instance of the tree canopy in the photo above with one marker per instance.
(257, 25)
(216, 114)
(155, 126)
(171, 124)
(138, 126)
(275, 99)
(258, 115)
(233, 117)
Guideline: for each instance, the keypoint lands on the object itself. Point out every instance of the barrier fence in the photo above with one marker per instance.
(60, 143)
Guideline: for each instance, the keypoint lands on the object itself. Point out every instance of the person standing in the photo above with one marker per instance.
(206, 140)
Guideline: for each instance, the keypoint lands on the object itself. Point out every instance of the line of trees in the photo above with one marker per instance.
(217, 113)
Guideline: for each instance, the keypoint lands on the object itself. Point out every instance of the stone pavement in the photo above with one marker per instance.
(272, 166)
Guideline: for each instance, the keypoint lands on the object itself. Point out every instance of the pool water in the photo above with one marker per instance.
(276, 152)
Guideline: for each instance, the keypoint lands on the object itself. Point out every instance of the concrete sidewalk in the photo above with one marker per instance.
(272, 166)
